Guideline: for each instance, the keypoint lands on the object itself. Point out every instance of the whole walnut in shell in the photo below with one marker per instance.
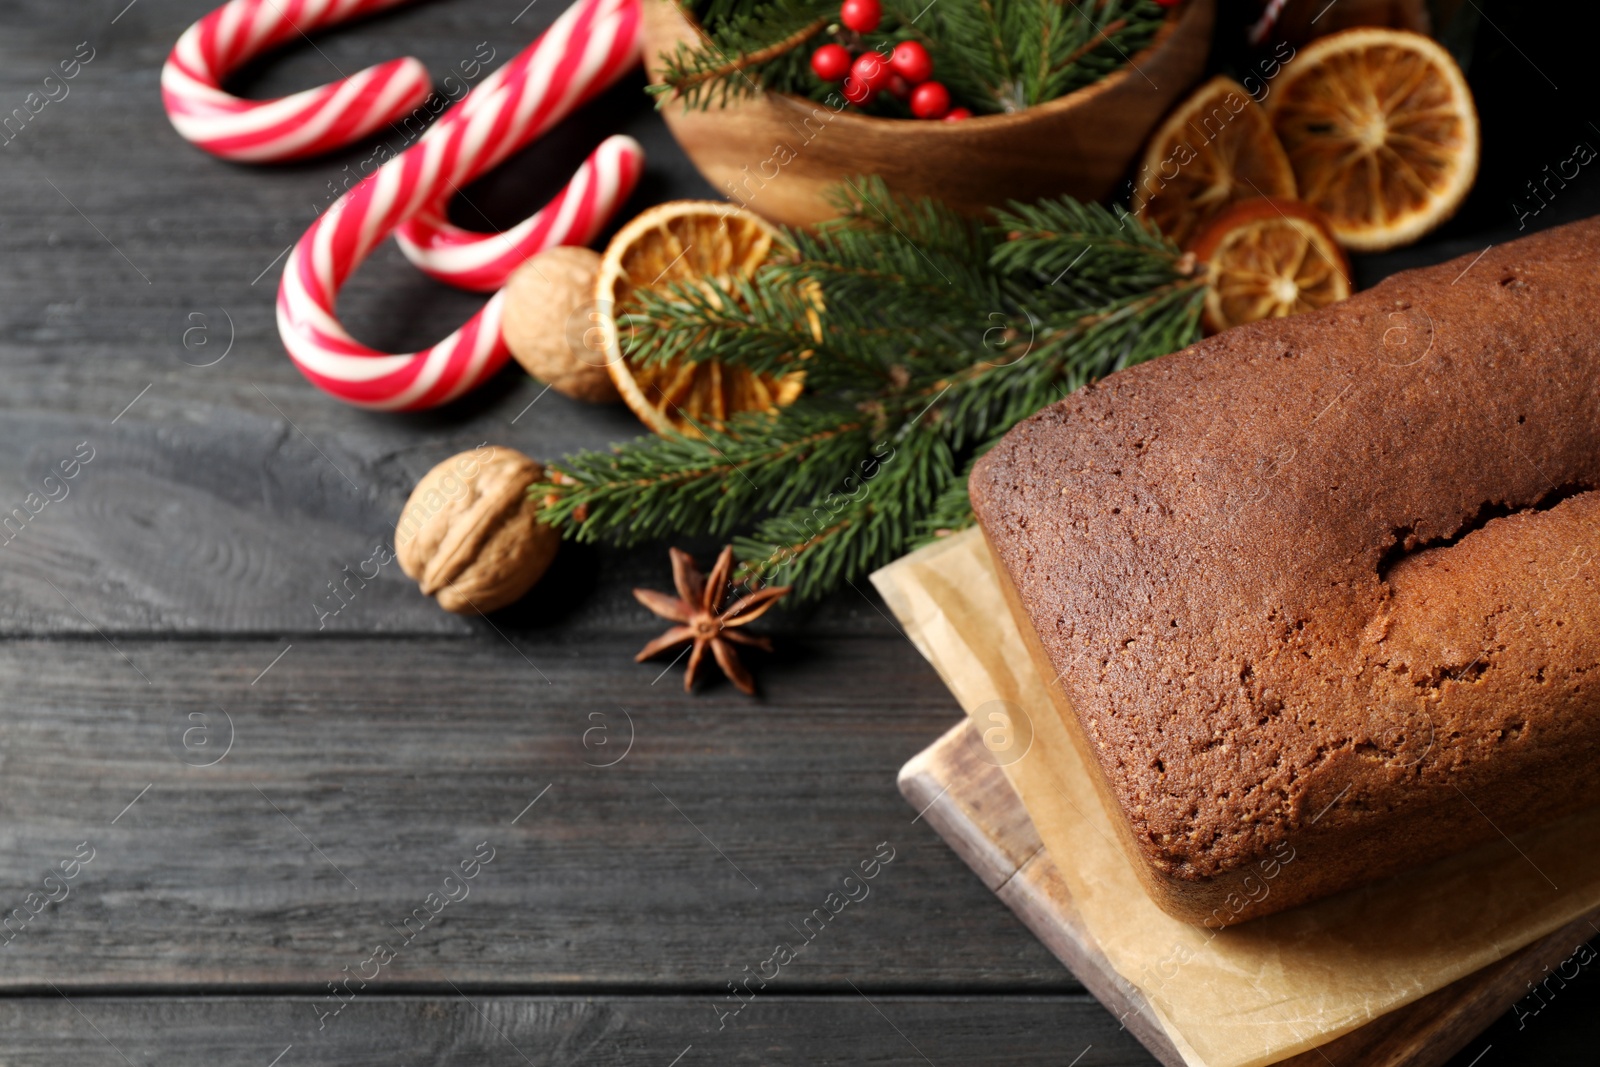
(468, 534)
(547, 330)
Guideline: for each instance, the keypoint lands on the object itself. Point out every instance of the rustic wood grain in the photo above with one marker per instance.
(972, 805)
(362, 771)
(471, 1028)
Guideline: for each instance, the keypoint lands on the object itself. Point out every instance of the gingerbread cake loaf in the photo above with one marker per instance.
(1322, 594)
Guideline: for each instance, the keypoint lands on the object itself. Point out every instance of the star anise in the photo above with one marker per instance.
(696, 610)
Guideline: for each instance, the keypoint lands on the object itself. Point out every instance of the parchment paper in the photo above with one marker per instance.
(1261, 991)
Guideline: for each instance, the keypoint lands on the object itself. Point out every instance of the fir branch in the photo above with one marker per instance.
(971, 59)
(1067, 353)
(743, 48)
(863, 524)
(656, 487)
(910, 375)
(993, 55)
(757, 322)
(688, 84)
(915, 245)
(951, 510)
(1034, 231)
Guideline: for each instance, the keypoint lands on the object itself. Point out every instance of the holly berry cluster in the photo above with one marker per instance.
(992, 56)
(907, 73)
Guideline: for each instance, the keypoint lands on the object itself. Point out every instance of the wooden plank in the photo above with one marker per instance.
(471, 1027)
(606, 1031)
(228, 496)
(235, 523)
(362, 771)
(968, 800)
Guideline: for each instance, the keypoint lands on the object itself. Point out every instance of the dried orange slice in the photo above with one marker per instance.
(683, 242)
(1269, 259)
(1381, 131)
(1215, 150)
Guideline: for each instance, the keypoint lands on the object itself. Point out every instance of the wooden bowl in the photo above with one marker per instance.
(779, 155)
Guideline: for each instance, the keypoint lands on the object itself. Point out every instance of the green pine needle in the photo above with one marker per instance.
(923, 337)
(993, 55)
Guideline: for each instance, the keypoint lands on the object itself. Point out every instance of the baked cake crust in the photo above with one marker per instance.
(1328, 584)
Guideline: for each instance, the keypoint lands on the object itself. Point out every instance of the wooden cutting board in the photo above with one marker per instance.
(971, 805)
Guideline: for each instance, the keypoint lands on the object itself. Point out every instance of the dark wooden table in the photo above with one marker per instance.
(232, 904)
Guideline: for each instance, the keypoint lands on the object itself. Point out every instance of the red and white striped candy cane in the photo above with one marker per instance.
(293, 127)
(587, 48)
(532, 93)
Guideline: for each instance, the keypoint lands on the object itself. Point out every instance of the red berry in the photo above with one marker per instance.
(910, 61)
(870, 69)
(1169, 3)
(831, 62)
(930, 100)
(899, 88)
(957, 114)
(858, 92)
(862, 16)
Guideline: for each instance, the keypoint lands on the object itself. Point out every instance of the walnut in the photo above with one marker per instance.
(549, 323)
(468, 534)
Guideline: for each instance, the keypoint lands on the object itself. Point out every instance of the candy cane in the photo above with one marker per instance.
(588, 47)
(530, 94)
(1269, 18)
(484, 262)
(292, 127)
